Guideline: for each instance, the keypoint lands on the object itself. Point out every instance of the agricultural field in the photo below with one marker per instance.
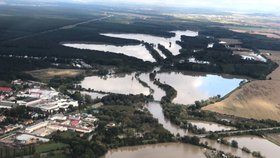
(47, 74)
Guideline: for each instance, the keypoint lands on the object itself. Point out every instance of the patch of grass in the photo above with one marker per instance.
(50, 147)
(47, 74)
(57, 156)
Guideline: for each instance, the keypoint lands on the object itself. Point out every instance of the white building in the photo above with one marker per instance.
(59, 117)
(29, 139)
(35, 127)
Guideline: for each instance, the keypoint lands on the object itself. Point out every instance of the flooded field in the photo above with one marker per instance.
(190, 87)
(94, 95)
(156, 110)
(267, 148)
(166, 150)
(193, 88)
(158, 93)
(169, 43)
(210, 126)
(122, 84)
(138, 51)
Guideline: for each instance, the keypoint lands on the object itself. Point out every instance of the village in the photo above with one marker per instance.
(48, 112)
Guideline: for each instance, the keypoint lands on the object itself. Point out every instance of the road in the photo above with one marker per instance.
(59, 28)
(240, 131)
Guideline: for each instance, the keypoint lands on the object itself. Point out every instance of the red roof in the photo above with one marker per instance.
(5, 89)
(75, 122)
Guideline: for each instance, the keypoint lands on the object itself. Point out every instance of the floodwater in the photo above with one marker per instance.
(267, 148)
(169, 43)
(137, 51)
(156, 110)
(166, 150)
(94, 95)
(158, 93)
(210, 126)
(122, 84)
(192, 88)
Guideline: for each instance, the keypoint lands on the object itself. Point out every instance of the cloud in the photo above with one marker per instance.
(2, 2)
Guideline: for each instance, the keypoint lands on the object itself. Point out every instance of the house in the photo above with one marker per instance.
(2, 118)
(5, 90)
(29, 101)
(17, 82)
(58, 117)
(35, 127)
(30, 139)
(7, 104)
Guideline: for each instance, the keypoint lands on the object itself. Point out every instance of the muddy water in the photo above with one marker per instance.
(192, 88)
(210, 126)
(167, 150)
(267, 148)
(156, 111)
(137, 51)
(169, 43)
(94, 95)
(122, 84)
(158, 93)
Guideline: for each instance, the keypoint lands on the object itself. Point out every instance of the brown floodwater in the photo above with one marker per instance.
(121, 83)
(166, 150)
(267, 148)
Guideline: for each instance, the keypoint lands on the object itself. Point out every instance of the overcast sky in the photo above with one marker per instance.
(238, 5)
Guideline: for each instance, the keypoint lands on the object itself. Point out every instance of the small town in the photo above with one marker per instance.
(139, 79)
(47, 112)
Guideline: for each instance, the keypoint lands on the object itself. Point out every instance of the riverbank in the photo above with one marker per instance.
(258, 99)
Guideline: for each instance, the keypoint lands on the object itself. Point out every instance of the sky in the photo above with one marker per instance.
(259, 5)
(237, 5)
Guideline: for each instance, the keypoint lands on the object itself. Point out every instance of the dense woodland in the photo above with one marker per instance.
(47, 46)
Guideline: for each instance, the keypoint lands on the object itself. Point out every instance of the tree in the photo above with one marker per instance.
(234, 143)
(246, 149)
(88, 99)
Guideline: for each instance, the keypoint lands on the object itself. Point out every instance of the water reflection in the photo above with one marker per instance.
(156, 110)
(267, 148)
(192, 88)
(122, 84)
(169, 43)
(210, 126)
(158, 93)
(137, 51)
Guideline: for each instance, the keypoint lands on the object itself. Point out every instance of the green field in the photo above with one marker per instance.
(49, 147)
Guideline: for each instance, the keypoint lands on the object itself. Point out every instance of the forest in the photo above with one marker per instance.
(27, 40)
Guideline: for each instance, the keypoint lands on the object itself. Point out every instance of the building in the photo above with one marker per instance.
(57, 128)
(32, 128)
(58, 117)
(30, 139)
(6, 89)
(29, 101)
(2, 118)
(7, 104)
